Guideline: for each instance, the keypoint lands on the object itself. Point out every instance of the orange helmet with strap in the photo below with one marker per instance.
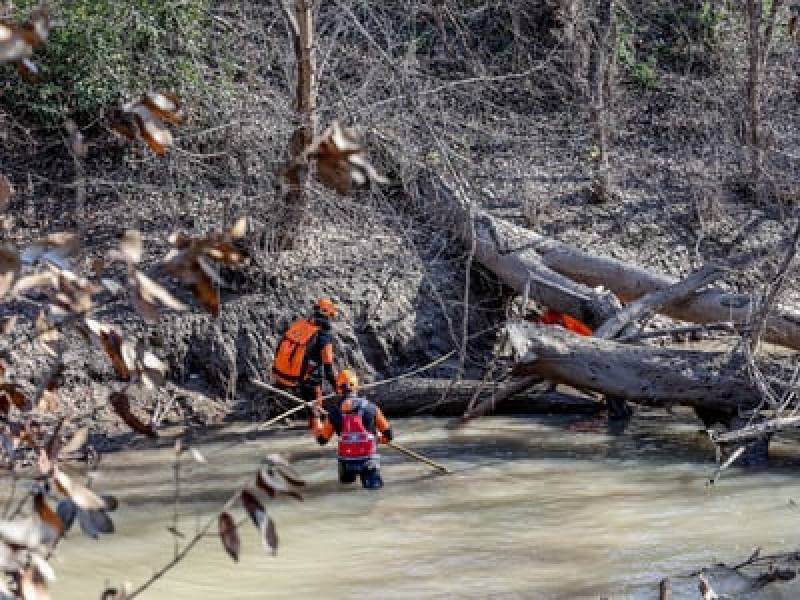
(326, 307)
(346, 381)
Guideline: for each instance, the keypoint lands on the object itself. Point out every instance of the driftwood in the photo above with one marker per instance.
(513, 253)
(657, 376)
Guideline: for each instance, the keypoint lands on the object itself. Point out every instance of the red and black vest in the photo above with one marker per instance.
(356, 429)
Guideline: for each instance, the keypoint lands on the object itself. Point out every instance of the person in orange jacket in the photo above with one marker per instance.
(304, 356)
(360, 425)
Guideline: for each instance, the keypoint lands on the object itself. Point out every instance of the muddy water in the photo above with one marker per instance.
(537, 508)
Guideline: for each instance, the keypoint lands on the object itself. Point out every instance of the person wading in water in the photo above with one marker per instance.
(360, 425)
(304, 356)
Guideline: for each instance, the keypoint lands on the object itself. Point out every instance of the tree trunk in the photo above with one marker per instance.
(301, 24)
(601, 85)
(572, 15)
(758, 45)
(412, 397)
(754, 75)
(656, 376)
(516, 255)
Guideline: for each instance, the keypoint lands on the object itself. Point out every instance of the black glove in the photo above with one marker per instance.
(321, 440)
(388, 435)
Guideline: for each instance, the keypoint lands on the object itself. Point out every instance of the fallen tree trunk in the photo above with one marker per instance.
(414, 397)
(608, 330)
(656, 376)
(651, 302)
(534, 278)
(513, 253)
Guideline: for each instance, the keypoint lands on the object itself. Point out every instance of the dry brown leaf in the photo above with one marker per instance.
(83, 497)
(121, 405)
(33, 585)
(47, 515)
(238, 229)
(148, 367)
(131, 246)
(47, 336)
(77, 441)
(54, 443)
(261, 520)
(253, 507)
(148, 296)
(11, 394)
(229, 535)
(152, 131)
(23, 533)
(17, 42)
(98, 265)
(335, 175)
(287, 471)
(44, 281)
(342, 159)
(7, 324)
(112, 343)
(206, 293)
(73, 293)
(107, 338)
(55, 248)
(124, 124)
(165, 106)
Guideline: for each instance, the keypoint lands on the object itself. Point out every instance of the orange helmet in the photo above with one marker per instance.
(326, 307)
(346, 381)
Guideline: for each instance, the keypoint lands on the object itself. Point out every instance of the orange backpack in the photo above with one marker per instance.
(290, 356)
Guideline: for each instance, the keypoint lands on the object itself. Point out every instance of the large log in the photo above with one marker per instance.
(657, 376)
(516, 255)
(414, 397)
(541, 282)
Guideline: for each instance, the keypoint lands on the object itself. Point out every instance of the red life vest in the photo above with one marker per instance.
(355, 442)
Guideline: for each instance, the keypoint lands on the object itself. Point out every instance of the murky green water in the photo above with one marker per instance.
(537, 508)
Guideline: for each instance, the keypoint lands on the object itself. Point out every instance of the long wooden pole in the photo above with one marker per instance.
(402, 449)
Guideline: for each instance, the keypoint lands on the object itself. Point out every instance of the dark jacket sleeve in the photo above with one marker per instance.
(326, 356)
